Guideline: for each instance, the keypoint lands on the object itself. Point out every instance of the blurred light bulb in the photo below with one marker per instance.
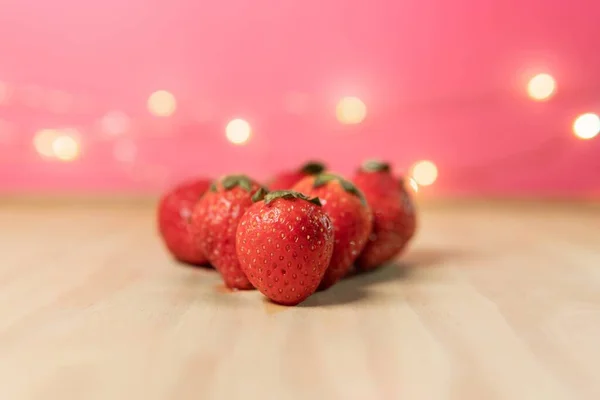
(351, 110)
(541, 87)
(586, 126)
(43, 142)
(424, 173)
(66, 148)
(162, 103)
(115, 123)
(238, 131)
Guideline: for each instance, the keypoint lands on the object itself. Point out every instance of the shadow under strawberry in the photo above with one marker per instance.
(355, 286)
(185, 264)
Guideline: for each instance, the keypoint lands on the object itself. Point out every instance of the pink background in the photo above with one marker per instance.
(443, 80)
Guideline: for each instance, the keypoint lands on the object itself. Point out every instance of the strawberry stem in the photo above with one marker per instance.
(230, 181)
(312, 168)
(290, 195)
(323, 179)
(259, 195)
(375, 166)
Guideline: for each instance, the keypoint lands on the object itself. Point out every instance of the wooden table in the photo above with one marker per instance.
(494, 301)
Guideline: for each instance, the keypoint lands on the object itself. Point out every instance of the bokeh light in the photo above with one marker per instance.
(586, 126)
(238, 131)
(43, 140)
(162, 103)
(57, 144)
(351, 110)
(66, 148)
(424, 172)
(541, 87)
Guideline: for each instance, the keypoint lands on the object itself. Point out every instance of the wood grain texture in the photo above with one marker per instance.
(497, 301)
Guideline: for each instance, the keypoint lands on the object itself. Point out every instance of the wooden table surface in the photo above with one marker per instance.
(493, 301)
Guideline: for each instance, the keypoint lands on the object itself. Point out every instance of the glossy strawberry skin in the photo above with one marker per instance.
(285, 247)
(375, 183)
(352, 221)
(174, 212)
(214, 223)
(410, 212)
(394, 218)
(286, 180)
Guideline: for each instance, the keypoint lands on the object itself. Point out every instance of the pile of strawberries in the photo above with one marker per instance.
(303, 235)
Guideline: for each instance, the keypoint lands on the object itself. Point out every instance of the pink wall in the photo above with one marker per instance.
(443, 80)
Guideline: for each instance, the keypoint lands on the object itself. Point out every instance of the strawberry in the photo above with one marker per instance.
(374, 177)
(173, 219)
(351, 217)
(287, 179)
(284, 244)
(409, 208)
(394, 218)
(214, 222)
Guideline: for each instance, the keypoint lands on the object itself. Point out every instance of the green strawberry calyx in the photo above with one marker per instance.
(312, 168)
(290, 195)
(259, 194)
(349, 187)
(375, 166)
(230, 181)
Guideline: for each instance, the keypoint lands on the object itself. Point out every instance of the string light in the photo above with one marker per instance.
(238, 131)
(424, 173)
(586, 126)
(162, 103)
(63, 146)
(66, 148)
(351, 110)
(541, 87)
(59, 144)
(43, 140)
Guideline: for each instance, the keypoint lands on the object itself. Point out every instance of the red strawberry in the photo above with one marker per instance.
(173, 217)
(394, 218)
(351, 217)
(215, 221)
(286, 180)
(374, 177)
(409, 208)
(284, 244)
